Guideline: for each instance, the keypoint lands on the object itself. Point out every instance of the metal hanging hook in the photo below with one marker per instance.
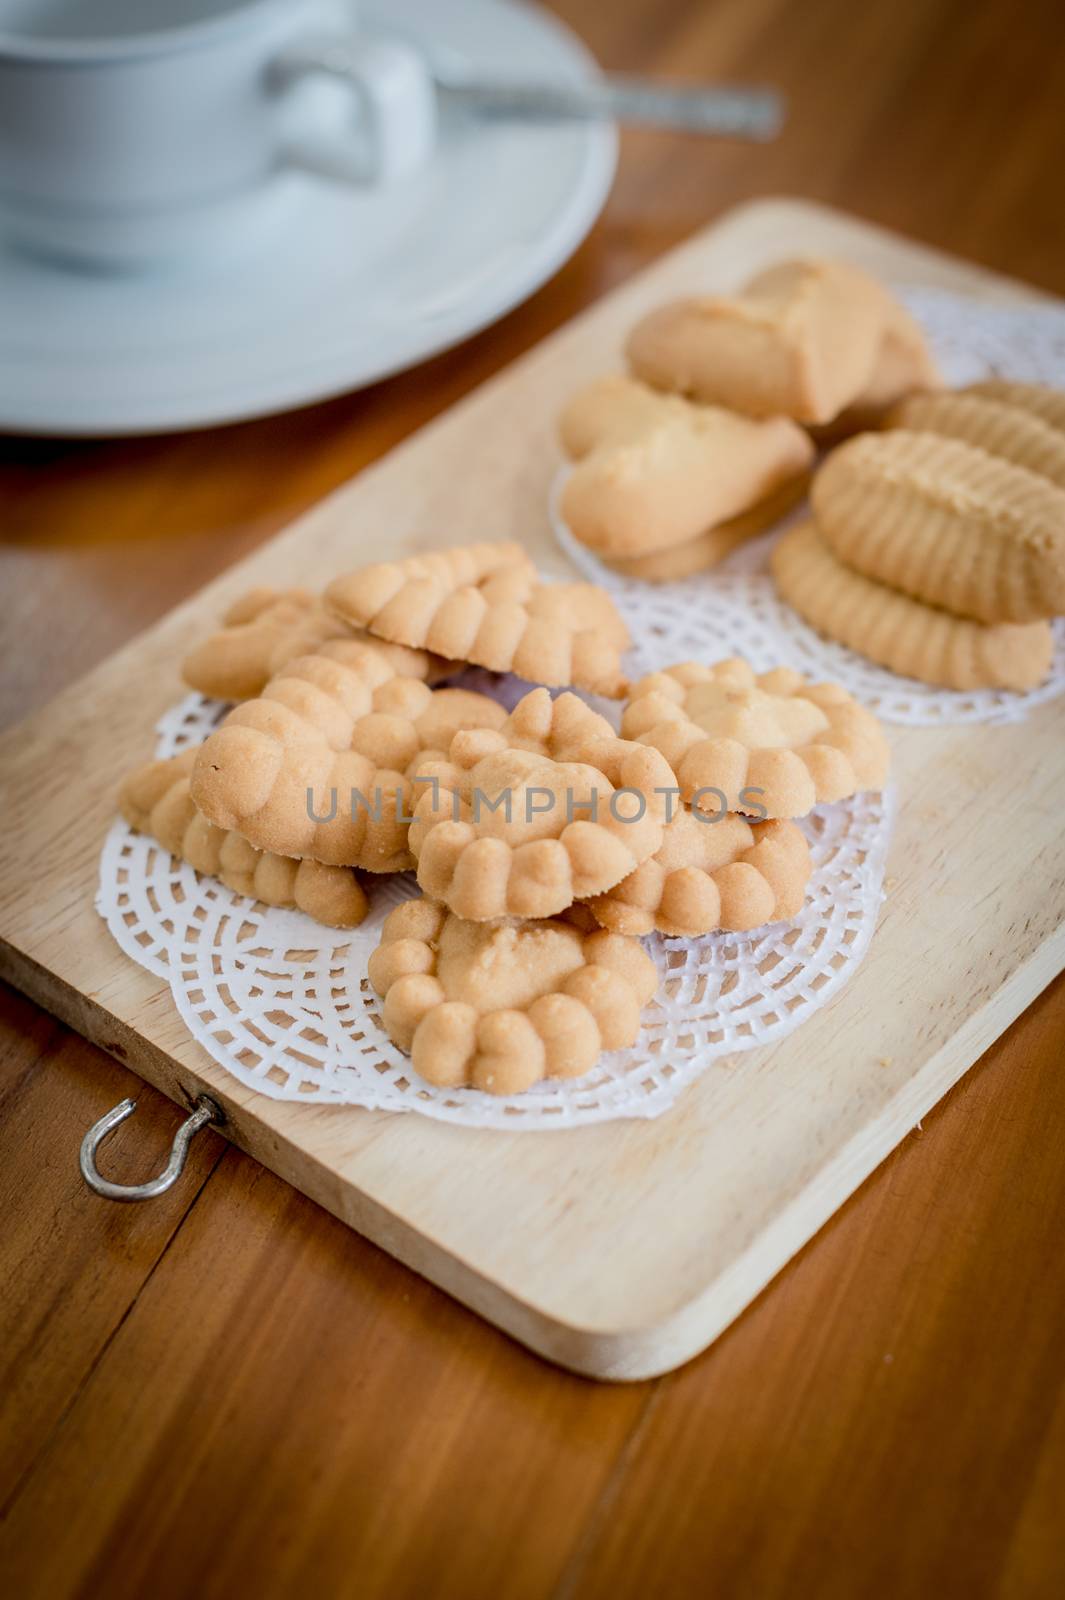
(205, 1112)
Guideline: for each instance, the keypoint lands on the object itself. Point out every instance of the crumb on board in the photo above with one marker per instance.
(885, 1061)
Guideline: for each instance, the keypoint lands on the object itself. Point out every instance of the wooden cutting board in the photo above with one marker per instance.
(618, 1250)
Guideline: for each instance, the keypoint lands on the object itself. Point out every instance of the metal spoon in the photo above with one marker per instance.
(726, 111)
(738, 113)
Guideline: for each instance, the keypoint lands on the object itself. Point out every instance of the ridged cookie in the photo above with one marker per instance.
(1038, 399)
(1003, 430)
(801, 340)
(322, 764)
(499, 1008)
(665, 566)
(551, 808)
(769, 744)
(265, 629)
(708, 874)
(655, 471)
(914, 640)
(945, 523)
(485, 604)
(155, 799)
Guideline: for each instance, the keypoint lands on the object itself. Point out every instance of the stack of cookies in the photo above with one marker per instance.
(937, 547)
(705, 442)
(543, 842)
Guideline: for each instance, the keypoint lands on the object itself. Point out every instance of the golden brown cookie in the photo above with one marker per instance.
(1038, 399)
(901, 634)
(551, 808)
(616, 409)
(709, 874)
(768, 744)
(485, 604)
(155, 799)
(1001, 429)
(501, 1006)
(801, 340)
(233, 663)
(321, 764)
(655, 471)
(265, 629)
(709, 548)
(903, 364)
(945, 523)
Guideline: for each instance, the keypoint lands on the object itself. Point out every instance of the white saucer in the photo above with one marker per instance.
(348, 287)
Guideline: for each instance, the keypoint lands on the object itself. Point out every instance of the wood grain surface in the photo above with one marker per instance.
(229, 1392)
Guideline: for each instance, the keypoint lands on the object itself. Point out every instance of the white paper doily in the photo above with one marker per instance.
(284, 1004)
(734, 608)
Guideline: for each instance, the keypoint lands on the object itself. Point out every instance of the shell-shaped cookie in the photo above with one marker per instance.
(484, 604)
(155, 799)
(550, 809)
(500, 1007)
(711, 873)
(909, 638)
(766, 745)
(320, 765)
(946, 523)
(1001, 429)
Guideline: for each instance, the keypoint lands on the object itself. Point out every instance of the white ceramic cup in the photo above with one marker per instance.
(133, 129)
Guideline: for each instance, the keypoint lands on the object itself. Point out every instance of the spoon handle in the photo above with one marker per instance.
(738, 113)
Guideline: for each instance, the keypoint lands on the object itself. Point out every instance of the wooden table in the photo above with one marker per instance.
(228, 1392)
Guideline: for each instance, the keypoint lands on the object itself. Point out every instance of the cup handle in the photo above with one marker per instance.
(396, 99)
